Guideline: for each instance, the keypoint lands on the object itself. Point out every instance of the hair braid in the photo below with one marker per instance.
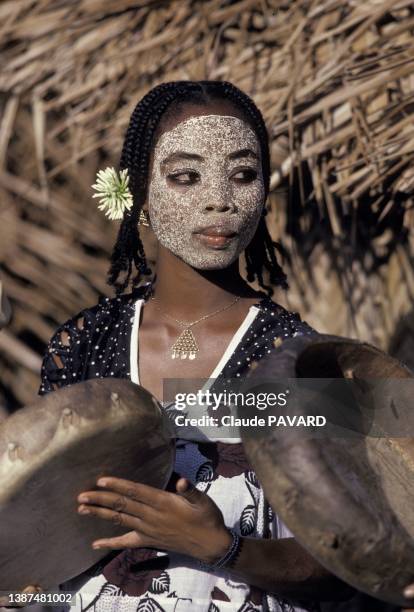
(145, 120)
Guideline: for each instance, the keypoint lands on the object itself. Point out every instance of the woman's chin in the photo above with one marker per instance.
(215, 266)
(211, 261)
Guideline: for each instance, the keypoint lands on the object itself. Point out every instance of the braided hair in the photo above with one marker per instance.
(141, 134)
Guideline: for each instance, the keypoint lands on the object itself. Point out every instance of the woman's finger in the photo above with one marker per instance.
(135, 491)
(188, 491)
(118, 518)
(117, 502)
(132, 539)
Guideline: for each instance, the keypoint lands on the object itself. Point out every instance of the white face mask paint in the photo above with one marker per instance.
(213, 187)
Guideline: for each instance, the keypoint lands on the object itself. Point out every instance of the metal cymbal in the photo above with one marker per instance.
(55, 449)
(349, 499)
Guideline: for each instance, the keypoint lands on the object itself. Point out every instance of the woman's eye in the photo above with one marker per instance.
(188, 177)
(245, 176)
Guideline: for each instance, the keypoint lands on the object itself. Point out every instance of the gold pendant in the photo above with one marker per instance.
(185, 346)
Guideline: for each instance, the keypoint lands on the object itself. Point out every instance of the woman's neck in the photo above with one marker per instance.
(186, 292)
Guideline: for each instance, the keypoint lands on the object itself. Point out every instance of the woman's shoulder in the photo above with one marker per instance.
(106, 311)
(94, 342)
(289, 321)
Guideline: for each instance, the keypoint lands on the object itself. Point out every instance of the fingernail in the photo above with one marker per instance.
(409, 591)
(83, 498)
(102, 482)
(83, 510)
(95, 546)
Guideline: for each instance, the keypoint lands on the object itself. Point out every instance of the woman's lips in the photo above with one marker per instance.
(217, 242)
(217, 239)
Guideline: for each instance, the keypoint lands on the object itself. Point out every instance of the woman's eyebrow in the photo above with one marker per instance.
(243, 153)
(179, 155)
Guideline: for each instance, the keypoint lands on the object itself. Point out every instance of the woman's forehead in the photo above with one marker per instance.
(214, 133)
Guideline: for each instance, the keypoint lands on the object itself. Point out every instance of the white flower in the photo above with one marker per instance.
(113, 191)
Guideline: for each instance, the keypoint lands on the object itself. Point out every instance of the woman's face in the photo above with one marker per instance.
(206, 190)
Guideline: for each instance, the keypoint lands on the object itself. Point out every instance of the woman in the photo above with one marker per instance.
(198, 160)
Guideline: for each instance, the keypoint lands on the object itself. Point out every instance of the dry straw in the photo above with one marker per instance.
(334, 80)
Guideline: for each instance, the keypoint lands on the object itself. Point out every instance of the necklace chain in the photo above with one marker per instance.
(186, 345)
(191, 324)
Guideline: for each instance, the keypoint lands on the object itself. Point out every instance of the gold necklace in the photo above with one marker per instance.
(186, 345)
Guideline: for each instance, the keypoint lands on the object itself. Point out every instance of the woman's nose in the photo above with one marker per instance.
(217, 196)
(219, 207)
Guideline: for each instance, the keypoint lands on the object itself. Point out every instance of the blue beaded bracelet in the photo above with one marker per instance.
(229, 557)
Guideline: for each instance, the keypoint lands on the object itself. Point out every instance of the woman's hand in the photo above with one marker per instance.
(186, 522)
(189, 522)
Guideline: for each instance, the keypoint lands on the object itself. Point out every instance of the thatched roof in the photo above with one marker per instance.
(334, 80)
